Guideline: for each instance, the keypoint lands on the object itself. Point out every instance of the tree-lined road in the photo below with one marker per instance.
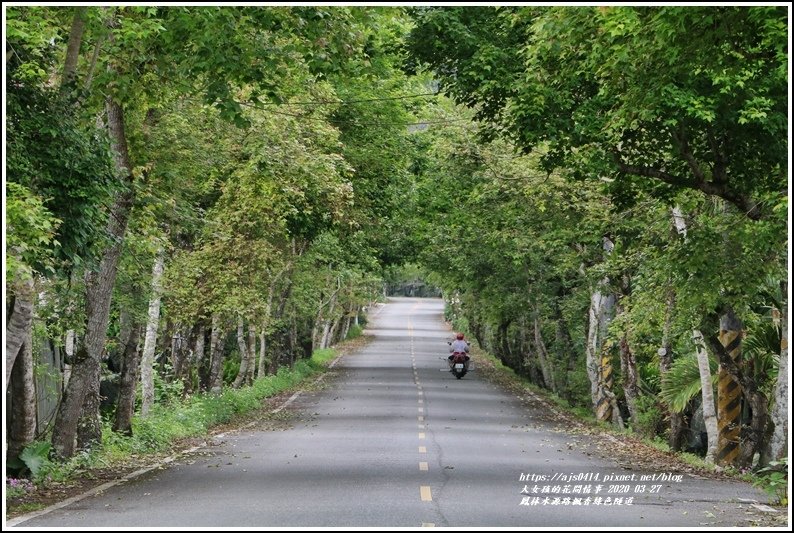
(392, 441)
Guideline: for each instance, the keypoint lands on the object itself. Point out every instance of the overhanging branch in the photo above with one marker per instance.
(750, 208)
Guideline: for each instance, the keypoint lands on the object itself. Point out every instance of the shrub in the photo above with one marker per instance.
(774, 480)
(354, 331)
(649, 417)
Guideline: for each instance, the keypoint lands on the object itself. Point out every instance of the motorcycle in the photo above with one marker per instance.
(458, 363)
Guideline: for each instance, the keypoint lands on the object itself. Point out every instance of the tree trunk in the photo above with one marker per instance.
(172, 330)
(249, 375)
(66, 420)
(22, 427)
(679, 221)
(677, 426)
(322, 324)
(504, 344)
(599, 368)
(728, 348)
(707, 394)
(89, 425)
(216, 356)
(327, 322)
(293, 341)
(129, 381)
(677, 423)
(198, 356)
(73, 47)
(317, 329)
(347, 321)
(262, 369)
(332, 332)
(180, 352)
(628, 367)
(778, 445)
(150, 340)
(188, 359)
(275, 361)
(729, 393)
(241, 374)
(19, 322)
(593, 347)
(628, 363)
(68, 358)
(564, 348)
(543, 357)
(324, 337)
(125, 330)
(84, 382)
(69, 343)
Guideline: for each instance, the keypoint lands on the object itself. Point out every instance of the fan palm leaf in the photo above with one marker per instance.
(682, 382)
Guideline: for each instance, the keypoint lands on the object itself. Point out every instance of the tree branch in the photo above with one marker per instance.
(650, 172)
(689, 157)
(92, 67)
(750, 208)
(720, 175)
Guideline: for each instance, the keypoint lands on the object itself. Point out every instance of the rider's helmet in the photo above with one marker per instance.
(459, 336)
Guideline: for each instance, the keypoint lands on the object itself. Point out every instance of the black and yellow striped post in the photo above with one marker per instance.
(729, 396)
(606, 378)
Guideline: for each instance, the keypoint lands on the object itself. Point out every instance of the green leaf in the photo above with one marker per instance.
(35, 456)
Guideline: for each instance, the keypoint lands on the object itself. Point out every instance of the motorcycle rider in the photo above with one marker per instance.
(459, 345)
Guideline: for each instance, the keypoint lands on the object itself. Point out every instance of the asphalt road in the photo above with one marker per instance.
(391, 440)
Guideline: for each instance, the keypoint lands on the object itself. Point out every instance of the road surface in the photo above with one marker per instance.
(390, 440)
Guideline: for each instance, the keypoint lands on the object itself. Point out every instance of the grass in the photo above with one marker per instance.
(178, 419)
(689, 458)
(29, 507)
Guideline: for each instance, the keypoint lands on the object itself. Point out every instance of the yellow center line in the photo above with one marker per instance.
(423, 466)
(421, 435)
(422, 449)
(424, 493)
